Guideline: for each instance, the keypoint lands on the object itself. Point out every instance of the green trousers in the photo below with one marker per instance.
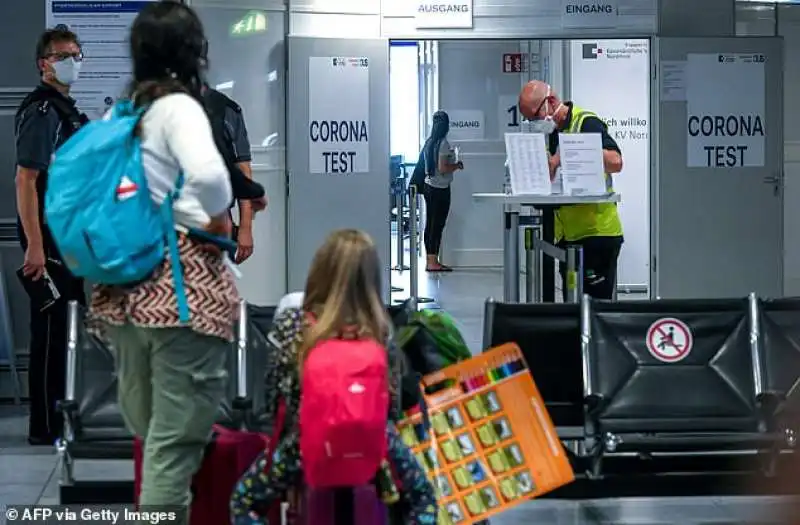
(171, 384)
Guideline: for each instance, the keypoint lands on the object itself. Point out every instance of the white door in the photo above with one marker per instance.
(338, 146)
(717, 190)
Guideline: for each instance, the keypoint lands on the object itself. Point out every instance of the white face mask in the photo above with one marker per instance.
(546, 126)
(67, 71)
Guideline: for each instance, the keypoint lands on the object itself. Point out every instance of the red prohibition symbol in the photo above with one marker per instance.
(669, 340)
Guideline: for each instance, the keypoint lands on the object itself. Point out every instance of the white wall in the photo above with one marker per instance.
(335, 18)
(471, 78)
(789, 29)
(255, 66)
(492, 19)
(520, 19)
(626, 110)
(696, 18)
(754, 19)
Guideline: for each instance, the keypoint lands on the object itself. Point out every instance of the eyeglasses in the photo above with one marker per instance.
(78, 57)
(536, 113)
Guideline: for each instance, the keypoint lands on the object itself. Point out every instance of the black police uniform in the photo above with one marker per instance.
(44, 121)
(227, 122)
(230, 137)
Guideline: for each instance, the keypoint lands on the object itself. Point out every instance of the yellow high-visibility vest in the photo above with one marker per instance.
(574, 222)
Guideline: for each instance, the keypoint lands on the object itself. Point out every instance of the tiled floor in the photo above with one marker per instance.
(28, 475)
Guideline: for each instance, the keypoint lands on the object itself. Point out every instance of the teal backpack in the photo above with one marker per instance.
(99, 210)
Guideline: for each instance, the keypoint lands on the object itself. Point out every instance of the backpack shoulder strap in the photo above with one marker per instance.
(168, 219)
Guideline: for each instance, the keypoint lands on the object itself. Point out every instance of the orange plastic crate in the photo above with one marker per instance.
(492, 444)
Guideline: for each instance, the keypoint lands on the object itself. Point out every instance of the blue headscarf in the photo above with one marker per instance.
(439, 129)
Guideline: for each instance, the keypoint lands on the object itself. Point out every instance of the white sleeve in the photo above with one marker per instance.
(187, 132)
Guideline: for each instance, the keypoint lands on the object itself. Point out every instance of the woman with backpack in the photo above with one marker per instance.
(172, 375)
(341, 308)
(439, 168)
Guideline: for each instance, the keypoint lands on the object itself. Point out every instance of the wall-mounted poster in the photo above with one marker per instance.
(725, 106)
(338, 126)
(102, 27)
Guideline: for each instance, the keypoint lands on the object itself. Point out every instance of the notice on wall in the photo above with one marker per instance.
(673, 81)
(515, 63)
(102, 27)
(338, 126)
(466, 124)
(589, 14)
(443, 14)
(725, 101)
(626, 112)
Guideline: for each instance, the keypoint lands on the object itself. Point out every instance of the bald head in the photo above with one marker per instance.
(532, 98)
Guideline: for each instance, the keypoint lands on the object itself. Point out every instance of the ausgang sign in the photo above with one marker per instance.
(443, 14)
(589, 14)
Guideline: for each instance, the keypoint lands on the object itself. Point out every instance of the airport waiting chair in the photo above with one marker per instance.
(254, 349)
(670, 376)
(7, 343)
(400, 313)
(253, 354)
(549, 335)
(93, 425)
(778, 328)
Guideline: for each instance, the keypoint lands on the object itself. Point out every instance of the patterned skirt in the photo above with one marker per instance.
(210, 290)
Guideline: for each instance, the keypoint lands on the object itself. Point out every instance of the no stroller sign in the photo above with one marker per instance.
(669, 340)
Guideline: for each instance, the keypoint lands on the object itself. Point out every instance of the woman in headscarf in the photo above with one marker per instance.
(439, 168)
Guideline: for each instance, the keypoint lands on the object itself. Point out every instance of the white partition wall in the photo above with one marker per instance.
(338, 138)
(717, 193)
(474, 87)
(518, 19)
(251, 69)
(612, 79)
(789, 29)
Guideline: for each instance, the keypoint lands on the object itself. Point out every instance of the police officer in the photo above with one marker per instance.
(230, 135)
(46, 118)
(595, 227)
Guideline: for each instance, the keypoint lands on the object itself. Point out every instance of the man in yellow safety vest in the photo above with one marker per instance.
(595, 227)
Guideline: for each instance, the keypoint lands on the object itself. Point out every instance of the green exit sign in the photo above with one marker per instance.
(253, 22)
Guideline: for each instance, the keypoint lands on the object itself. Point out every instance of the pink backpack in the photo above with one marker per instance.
(343, 412)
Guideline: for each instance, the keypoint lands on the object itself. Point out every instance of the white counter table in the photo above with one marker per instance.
(512, 204)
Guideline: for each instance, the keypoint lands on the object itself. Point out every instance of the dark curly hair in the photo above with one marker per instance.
(59, 33)
(167, 46)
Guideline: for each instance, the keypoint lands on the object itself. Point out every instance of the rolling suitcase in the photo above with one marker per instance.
(228, 456)
(346, 506)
